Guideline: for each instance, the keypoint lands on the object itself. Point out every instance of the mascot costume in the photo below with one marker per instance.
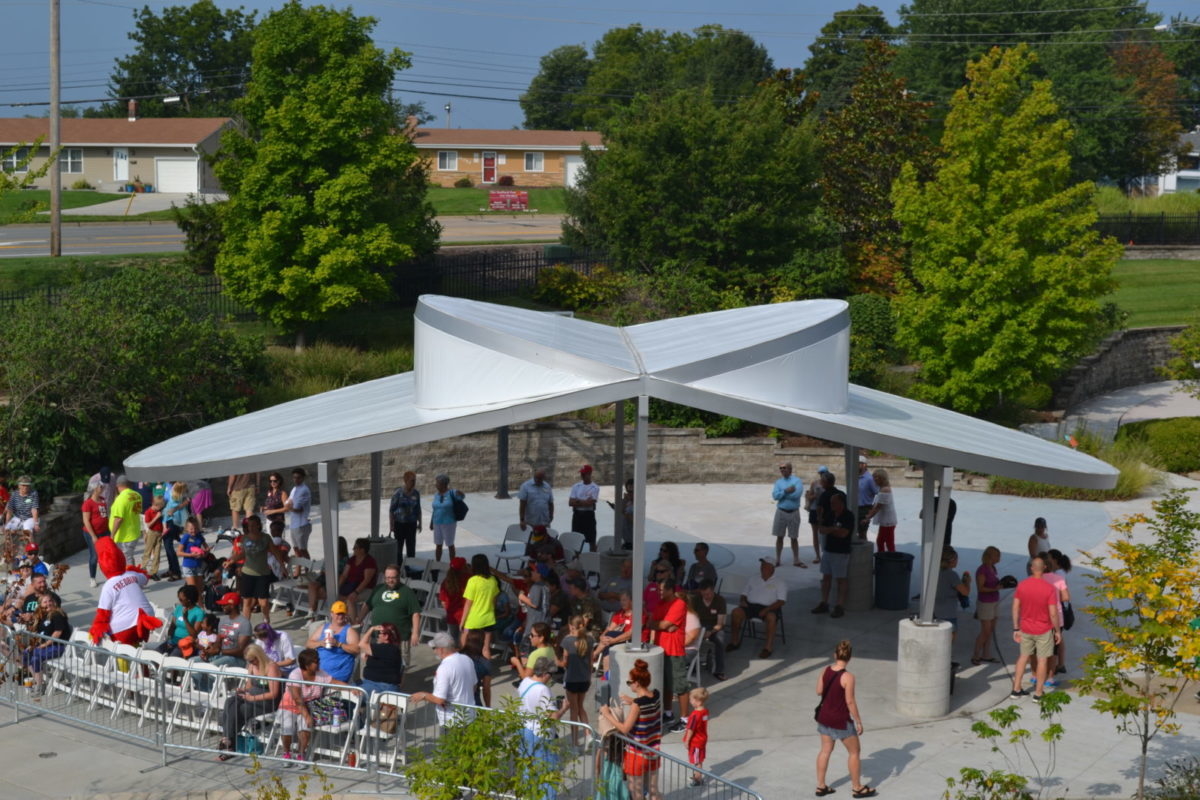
(123, 613)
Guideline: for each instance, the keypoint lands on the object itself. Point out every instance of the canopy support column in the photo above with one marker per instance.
(618, 475)
(933, 533)
(376, 491)
(641, 447)
(852, 485)
(502, 461)
(327, 477)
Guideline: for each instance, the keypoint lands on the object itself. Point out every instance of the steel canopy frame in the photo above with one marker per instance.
(479, 366)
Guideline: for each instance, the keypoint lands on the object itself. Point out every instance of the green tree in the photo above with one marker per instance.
(553, 100)
(1007, 273)
(1185, 363)
(864, 143)
(113, 368)
(689, 181)
(325, 198)
(199, 53)
(839, 53)
(1154, 90)
(1146, 600)
(572, 91)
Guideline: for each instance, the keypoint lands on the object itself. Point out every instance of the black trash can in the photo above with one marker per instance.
(893, 572)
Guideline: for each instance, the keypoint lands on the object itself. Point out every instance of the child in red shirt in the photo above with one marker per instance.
(154, 531)
(695, 735)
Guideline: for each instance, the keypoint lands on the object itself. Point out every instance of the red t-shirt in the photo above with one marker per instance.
(97, 515)
(157, 524)
(674, 612)
(1036, 596)
(697, 723)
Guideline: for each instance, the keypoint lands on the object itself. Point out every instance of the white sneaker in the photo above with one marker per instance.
(95, 583)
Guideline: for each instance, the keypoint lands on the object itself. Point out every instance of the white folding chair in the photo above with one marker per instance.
(605, 543)
(130, 686)
(337, 731)
(695, 656)
(390, 748)
(590, 564)
(188, 695)
(434, 570)
(284, 592)
(572, 544)
(519, 539)
(69, 673)
(433, 615)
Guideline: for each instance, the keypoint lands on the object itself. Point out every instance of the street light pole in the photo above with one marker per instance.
(55, 137)
(447, 107)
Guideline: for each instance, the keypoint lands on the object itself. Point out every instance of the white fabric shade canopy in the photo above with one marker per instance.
(479, 366)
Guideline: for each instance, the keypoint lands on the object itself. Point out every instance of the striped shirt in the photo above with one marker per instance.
(648, 728)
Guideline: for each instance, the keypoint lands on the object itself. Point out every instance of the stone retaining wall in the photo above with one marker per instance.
(1126, 358)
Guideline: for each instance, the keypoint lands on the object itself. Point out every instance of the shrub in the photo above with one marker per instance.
(81, 185)
(1180, 781)
(872, 337)
(565, 287)
(203, 233)
(324, 367)
(1132, 458)
(1175, 443)
(505, 180)
(464, 182)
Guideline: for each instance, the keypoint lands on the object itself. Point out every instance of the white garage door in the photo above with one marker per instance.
(177, 175)
(574, 168)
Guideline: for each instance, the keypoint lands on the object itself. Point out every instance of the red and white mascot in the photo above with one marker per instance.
(123, 613)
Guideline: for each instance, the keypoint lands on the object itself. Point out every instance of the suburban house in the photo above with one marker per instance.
(112, 153)
(530, 158)
(1185, 177)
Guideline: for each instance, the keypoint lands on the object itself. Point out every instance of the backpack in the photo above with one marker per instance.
(460, 506)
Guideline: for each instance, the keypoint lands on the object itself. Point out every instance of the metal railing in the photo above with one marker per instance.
(650, 774)
(181, 707)
(1151, 229)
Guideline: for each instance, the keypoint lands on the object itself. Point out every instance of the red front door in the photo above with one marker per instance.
(489, 167)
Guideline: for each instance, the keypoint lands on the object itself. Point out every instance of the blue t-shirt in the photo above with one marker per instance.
(187, 542)
(442, 508)
(335, 660)
(195, 614)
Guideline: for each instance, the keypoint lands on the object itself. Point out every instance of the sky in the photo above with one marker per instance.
(476, 55)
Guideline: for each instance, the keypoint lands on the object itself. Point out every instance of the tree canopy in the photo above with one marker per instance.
(114, 367)
(199, 53)
(574, 91)
(839, 52)
(326, 197)
(1007, 272)
(689, 180)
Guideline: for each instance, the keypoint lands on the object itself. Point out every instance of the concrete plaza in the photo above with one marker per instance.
(762, 734)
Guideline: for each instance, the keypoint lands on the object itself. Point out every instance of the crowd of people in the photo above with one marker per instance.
(546, 620)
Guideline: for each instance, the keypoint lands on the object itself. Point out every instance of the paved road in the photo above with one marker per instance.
(161, 237)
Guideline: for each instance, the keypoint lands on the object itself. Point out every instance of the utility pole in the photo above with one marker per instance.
(55, 137)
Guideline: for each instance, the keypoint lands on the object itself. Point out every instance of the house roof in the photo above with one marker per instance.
(1192, 138)
(478, 366)
(502, 139)
(109, 132)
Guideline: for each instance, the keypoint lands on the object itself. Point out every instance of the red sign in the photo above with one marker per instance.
(508, 200)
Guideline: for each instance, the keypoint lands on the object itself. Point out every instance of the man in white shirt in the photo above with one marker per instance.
(583, 499)
(537, 501)
(296, 509)
(763, 597)
(453, 683)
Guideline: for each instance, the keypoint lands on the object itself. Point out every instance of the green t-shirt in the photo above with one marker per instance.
(481, 591)
(548, 652)
(395, 606)
(127, 506)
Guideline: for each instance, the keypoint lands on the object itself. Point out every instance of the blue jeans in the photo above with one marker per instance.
(92, 562)
(371, 687)
(170, 541)
(535, 747)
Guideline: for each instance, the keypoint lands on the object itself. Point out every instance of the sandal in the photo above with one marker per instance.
(975, 662)
(863, 791)
(764, 653)
(824, 790)
(225, 756)
(800, 564)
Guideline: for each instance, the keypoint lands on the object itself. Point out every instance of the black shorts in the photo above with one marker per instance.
(813, 519)
(754, 609)
(257, 587)
(577, 687)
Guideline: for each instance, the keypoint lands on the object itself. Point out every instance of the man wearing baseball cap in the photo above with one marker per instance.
(453, 682)
(34, 558)
(234, 631)
(583, 499)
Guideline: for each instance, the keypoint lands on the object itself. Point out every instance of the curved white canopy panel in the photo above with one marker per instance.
(479, 366)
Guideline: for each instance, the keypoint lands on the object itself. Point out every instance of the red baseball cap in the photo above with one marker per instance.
(31, 548)
(230, 599)
(586, 469)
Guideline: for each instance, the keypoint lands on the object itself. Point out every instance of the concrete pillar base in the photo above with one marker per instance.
(621, 660)
(923, 670)
(860, 576)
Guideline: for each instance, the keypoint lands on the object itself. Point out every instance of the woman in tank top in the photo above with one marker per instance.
(838, 719)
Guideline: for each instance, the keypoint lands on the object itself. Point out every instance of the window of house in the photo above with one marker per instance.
(534, 162)
(70, 159)
(447, 159)
(16, 160)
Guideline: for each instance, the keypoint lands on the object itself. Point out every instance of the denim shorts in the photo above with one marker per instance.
(191, 572)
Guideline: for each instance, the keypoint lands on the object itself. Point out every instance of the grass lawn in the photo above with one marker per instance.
(1158, 291)
(38, 272)
(458, 202)
(12, 203)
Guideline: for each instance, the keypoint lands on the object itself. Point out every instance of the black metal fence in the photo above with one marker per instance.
(1151, 229)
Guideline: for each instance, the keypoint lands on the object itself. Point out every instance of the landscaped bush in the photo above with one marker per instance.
(567, 288)
(464, 182)
(1111, 200)
(1174, 442)
(323, 367)
(81, 185)
(1133, 458)
(505, 180)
